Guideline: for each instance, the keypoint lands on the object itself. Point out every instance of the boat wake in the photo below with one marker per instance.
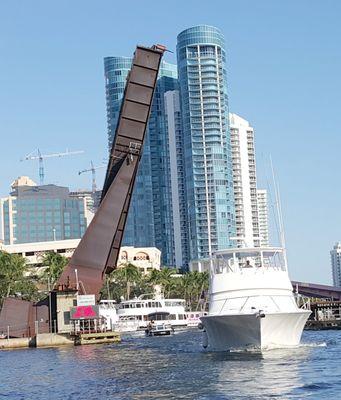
(323, 344)
(271, 348)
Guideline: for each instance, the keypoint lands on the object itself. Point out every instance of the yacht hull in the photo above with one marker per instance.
(254, 331)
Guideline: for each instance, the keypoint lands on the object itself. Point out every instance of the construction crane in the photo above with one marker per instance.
(41, 157)
(93, 172)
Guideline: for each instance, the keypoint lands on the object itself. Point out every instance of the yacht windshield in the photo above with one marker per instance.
(240, 259)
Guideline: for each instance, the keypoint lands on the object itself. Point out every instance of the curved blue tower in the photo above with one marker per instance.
(204, 103)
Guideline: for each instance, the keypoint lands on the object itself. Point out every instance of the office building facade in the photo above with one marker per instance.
(34, 213)
(208, 165)
(335, 255)
(151, 216)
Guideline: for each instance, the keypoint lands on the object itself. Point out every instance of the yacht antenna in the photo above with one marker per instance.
(279, 211)
(272, 204)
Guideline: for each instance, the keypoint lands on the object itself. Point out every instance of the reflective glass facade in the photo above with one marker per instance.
(150, 219)
(139, 230)
(208, 165)
(42, 213)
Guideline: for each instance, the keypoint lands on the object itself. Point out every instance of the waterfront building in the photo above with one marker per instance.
(335, 255)
(153, 218)
(244, 181)
(33, 213)
(34, 252)
(263, 219)
(145, 258)
(208, 166)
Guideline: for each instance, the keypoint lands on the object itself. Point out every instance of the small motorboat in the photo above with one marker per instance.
(159, 329)
(159, 324)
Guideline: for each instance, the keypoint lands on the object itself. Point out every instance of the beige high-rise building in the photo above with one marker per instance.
(263, 221)
(335, 255)
(244, 181)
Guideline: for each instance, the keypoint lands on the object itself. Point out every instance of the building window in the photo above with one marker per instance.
(141, 256)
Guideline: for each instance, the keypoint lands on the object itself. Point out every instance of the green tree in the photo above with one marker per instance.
(192, 285)
(165, 278)
(128, 280)
(55, 264)
(27, 289)
(12, 268)
(14, 279)
(202, 283)
(125, 278)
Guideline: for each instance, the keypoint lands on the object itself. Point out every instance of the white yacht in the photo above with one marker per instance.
(252, 304)
(135, 314)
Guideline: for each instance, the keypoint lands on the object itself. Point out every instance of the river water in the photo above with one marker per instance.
(173, 367)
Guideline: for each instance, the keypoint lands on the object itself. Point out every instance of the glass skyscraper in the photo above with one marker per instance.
(207, 150)
(151, 217)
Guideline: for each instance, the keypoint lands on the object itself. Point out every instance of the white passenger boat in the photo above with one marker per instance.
(138, 312)
(251, 301)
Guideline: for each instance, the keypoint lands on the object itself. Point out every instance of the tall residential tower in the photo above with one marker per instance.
(263, 218)
(335, 255)
(244, 181)
(208, 167)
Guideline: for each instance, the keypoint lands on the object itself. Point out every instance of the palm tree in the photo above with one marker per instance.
(187, 283)
(202, 281)
(164, 278)
(128, 275)
(55, 264)
(193, 284)
(154, 277)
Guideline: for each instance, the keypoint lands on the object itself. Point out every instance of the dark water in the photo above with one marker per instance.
(174, 367)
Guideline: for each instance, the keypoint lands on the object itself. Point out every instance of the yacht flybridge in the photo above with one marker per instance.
(252, 304)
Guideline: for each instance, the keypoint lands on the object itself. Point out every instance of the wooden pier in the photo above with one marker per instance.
(325, 314)
(97, 338)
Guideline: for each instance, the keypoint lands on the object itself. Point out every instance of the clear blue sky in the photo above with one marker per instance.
(284, 64)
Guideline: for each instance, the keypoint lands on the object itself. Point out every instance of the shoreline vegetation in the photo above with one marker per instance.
(33, 282)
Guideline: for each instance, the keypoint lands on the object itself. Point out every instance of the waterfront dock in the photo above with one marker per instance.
(97, 338)
(56, 340)
(313, 325)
